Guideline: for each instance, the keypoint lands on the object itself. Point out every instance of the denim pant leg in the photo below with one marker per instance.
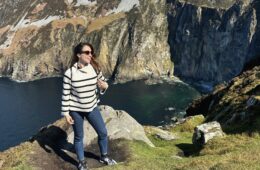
(78, 134)
(97, 122)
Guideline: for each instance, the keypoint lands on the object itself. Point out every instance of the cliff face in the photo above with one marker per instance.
(129, 37)
(235, 104)
(208, 41)
(211, 41)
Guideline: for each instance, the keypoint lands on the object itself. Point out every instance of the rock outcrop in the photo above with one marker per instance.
(36, 41)
(160, 133)
(120, 125)
(51, 147)
(205, 132)
(211, 41)
(235, 104)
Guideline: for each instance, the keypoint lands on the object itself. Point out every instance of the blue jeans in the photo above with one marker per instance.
(97, 122)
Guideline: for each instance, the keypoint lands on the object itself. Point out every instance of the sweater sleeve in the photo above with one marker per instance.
(101, 77)
(65, 103)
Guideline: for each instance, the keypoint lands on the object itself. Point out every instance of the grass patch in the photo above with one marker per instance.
(189, 124)
(234, 151)
(101, 22)
(62, 23)
(16, 158)
(21, 166)
(231, 152)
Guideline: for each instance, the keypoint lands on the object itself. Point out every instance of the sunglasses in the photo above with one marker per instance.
(87, 52)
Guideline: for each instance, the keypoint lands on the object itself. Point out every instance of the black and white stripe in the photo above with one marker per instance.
(80, 89)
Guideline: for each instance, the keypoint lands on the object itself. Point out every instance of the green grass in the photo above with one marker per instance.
(16, 158)
(189, 124)
(22, 166)
(233, 152)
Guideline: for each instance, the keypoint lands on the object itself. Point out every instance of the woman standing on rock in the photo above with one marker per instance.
(81, 82)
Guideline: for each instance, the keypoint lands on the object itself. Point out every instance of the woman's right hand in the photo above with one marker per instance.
(69, 119)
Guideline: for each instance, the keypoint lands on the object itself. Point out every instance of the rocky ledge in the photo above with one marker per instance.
(52, 147)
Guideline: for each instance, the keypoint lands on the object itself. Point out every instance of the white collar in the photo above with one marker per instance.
(83, 69)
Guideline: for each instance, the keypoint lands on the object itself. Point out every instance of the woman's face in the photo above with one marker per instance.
(85, 55)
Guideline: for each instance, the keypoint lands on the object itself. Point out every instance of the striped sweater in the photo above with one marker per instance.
(80, 89)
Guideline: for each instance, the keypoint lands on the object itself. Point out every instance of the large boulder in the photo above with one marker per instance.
(205, 132)
(119, 125)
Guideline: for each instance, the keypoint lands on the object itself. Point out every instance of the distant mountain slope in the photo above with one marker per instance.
(130, 37)
(206, 41)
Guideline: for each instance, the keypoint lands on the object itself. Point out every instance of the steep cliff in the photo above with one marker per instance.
(211, 41)
(208, 41)
(130, 38)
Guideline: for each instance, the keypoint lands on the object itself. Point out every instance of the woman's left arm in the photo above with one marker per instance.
(102, 84)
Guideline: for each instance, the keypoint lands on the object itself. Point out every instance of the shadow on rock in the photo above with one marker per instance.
(58, 153)
(54, 139)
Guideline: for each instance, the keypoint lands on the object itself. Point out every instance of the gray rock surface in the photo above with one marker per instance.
(205, 132)
(212, 40)
(119, 125)
(253, 100)
(160, 133)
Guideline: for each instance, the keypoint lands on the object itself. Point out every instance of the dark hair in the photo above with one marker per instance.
(78, 49)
